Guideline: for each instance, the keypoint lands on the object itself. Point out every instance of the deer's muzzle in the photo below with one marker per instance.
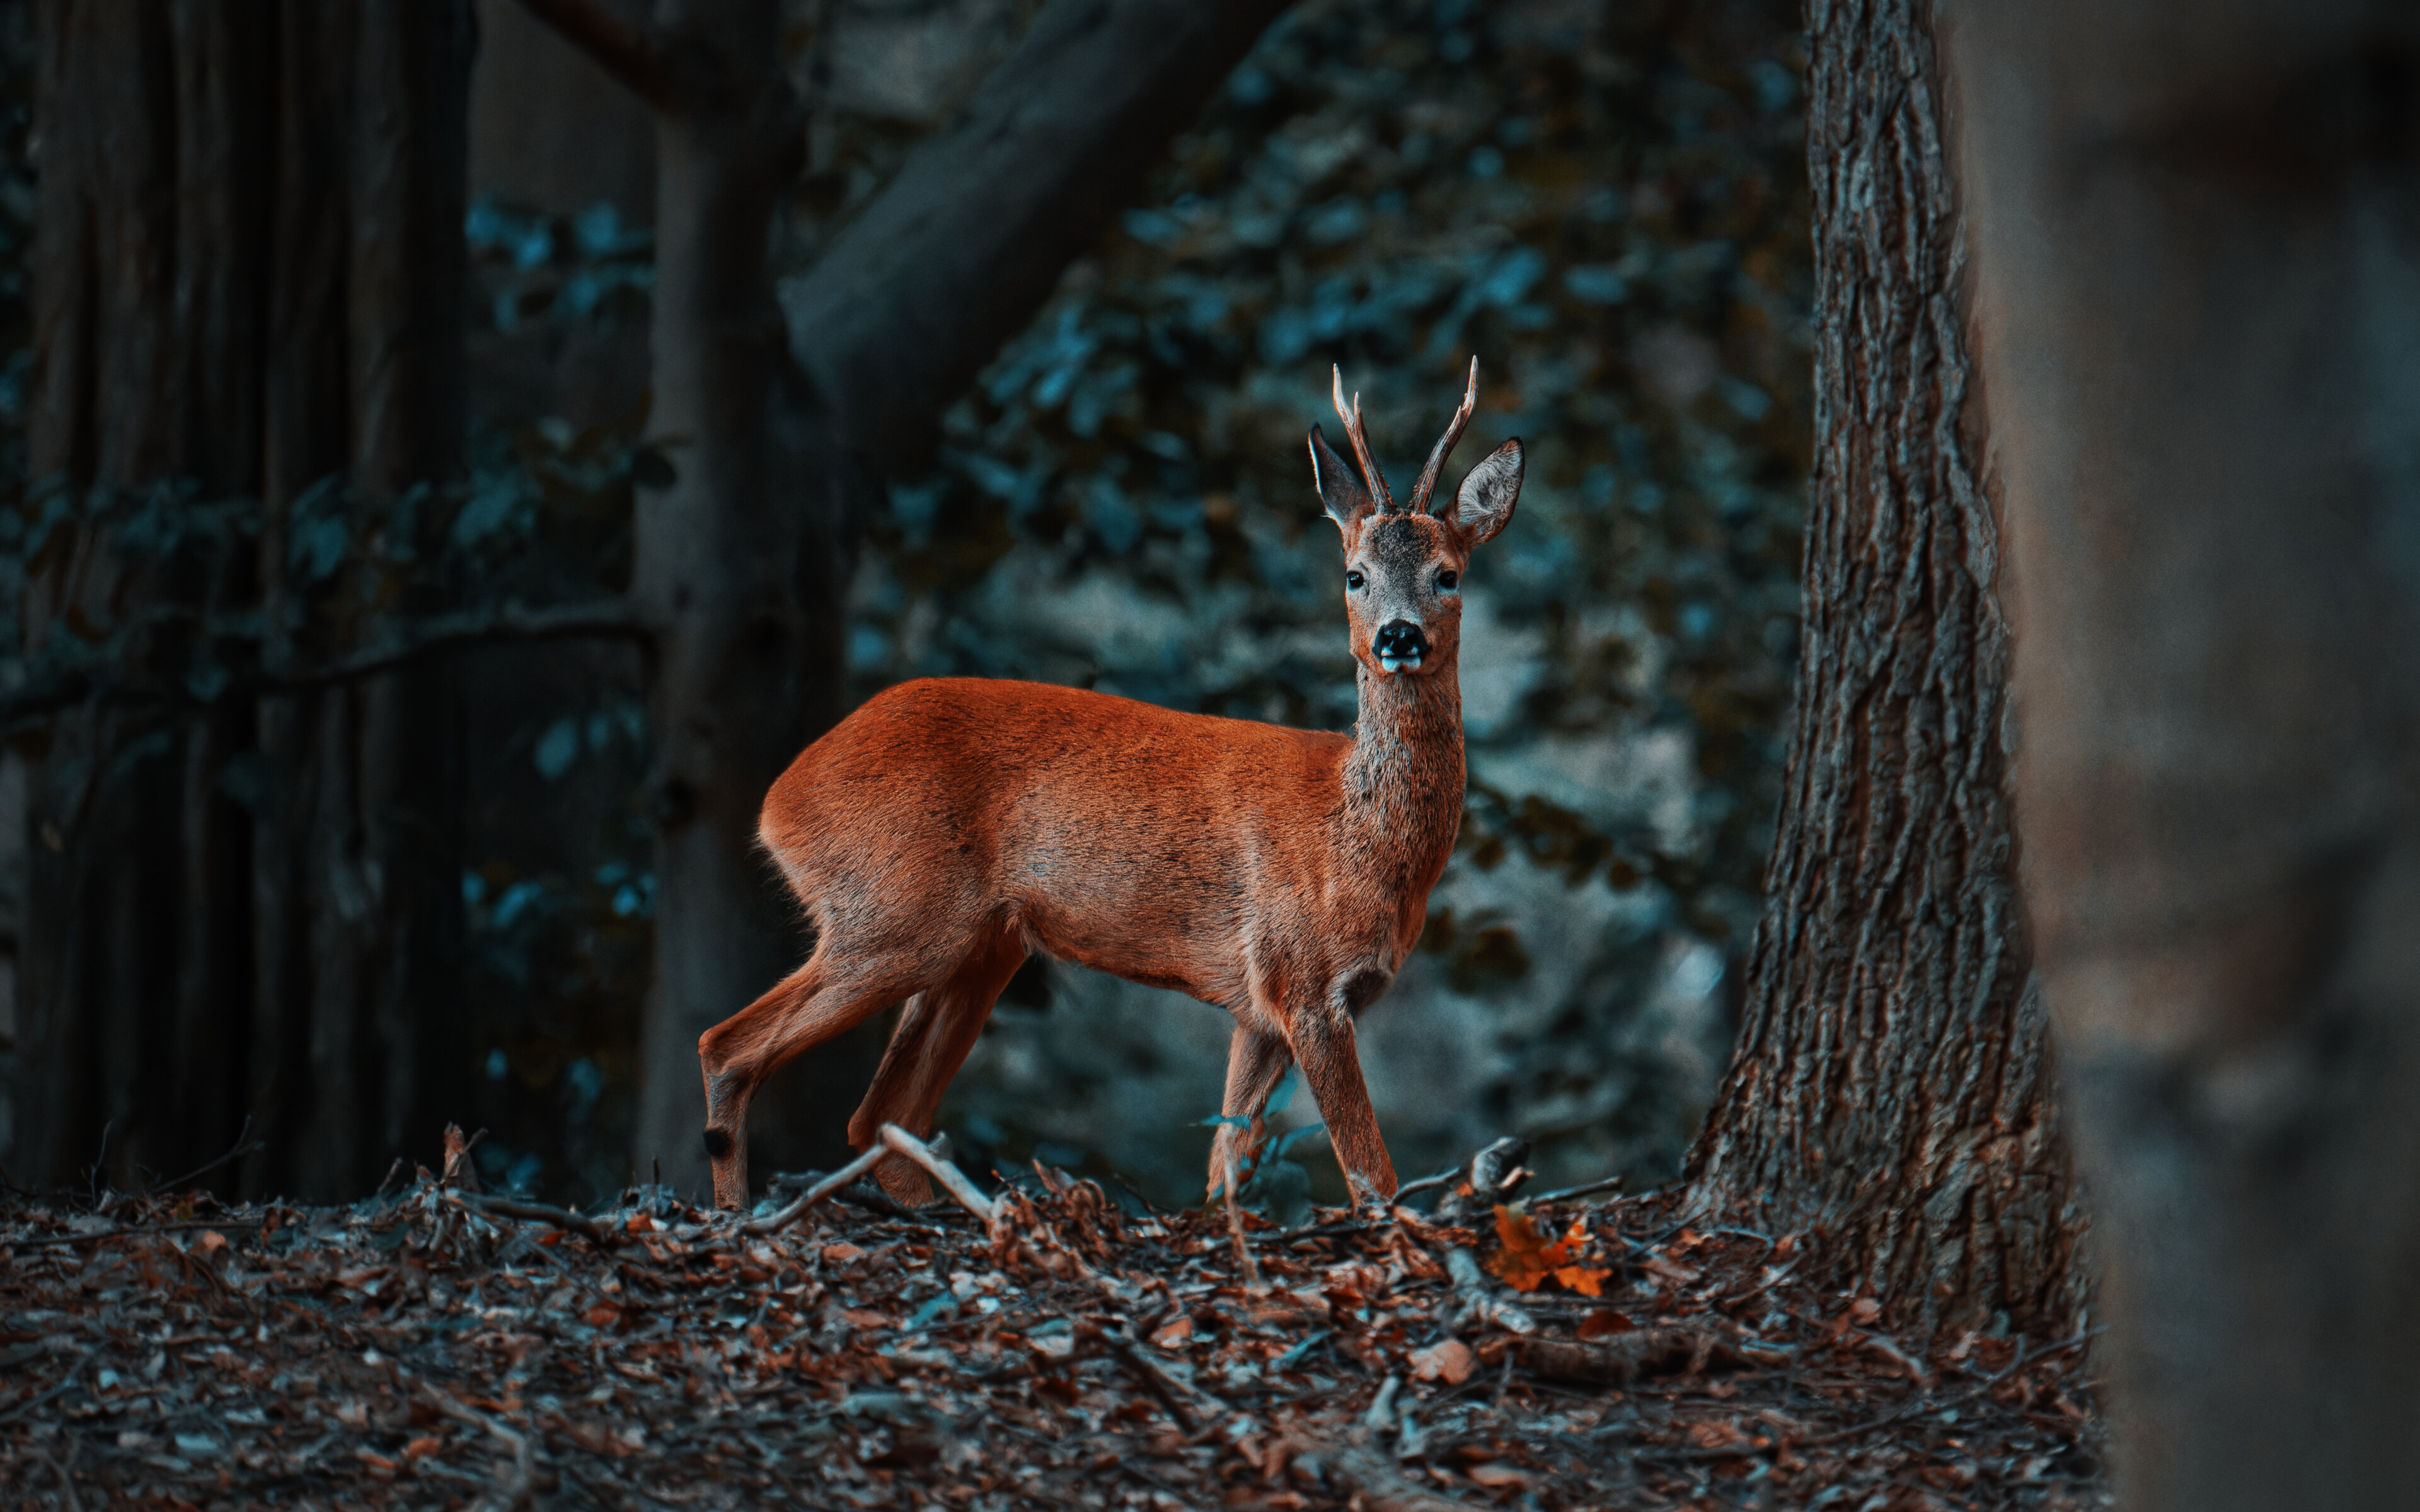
(1400, 646)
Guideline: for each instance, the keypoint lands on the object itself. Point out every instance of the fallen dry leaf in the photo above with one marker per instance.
(1715, 1435)
(1532, 1254)
(1174, 1332)
(1449, 1361)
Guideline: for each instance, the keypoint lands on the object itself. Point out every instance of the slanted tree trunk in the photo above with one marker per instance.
(779, 435)
(248, 278)
(2197, 298)
(1890, 1085)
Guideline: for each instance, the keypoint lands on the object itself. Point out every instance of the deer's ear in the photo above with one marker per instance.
(1484, 504)
(1341, 493)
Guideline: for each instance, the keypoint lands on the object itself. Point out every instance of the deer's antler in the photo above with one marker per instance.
(1445, 443)
(1359, 437)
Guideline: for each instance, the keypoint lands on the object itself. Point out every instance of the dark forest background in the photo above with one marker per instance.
(1606, 204)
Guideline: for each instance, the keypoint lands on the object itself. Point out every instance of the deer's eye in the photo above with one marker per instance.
(1353, 580)
(1448, 580)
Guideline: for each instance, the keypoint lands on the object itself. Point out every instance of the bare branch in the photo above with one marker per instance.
(952, 1180)
(626, 54)
(775, 1222)
(45, 695)
(609, 619)
(956, 256)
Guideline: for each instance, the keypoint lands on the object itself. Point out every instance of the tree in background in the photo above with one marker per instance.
(247, 273)
(781, 418)
(1891, 1085)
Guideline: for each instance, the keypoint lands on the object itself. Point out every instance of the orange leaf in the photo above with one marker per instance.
(1587, 1282)
(1531, 1255)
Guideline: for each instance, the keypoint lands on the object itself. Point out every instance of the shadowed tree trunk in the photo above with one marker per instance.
(1890, 1085)
(248, 278)
(2198, 296)
(781, 427)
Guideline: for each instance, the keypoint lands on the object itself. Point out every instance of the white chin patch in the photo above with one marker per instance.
(1400, 664)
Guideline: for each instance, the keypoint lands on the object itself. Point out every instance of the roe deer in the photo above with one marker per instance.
(952, 825)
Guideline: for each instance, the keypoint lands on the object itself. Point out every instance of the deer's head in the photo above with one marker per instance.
(1404, 562)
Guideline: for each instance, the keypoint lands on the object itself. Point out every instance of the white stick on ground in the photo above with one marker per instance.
(899, 1141)
(851, 1172)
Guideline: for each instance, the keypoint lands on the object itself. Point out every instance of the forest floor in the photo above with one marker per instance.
(428, 1348)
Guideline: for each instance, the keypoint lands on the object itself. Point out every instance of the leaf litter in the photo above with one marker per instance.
(432, 1347)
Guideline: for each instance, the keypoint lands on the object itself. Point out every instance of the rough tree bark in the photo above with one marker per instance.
(2198, 299)
(780, 430)
(1890, 1085)
(248, 275)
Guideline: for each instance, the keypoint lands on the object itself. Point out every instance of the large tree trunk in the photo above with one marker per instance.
(739, 569)
(248, 278)
(2198, 305)
(1890, 1085)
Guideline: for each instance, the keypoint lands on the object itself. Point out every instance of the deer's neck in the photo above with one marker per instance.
(1404, 781)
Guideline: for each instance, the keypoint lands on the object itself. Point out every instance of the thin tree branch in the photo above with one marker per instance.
(608, 619)
(44, 695)
(627, 55)
(968, 240)
(244, 1144)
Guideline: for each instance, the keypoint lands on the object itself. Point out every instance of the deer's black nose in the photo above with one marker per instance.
(1398, 645)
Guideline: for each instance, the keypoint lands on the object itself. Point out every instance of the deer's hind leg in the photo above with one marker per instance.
(937, 1032)
(834, 992)
(1256, 1059)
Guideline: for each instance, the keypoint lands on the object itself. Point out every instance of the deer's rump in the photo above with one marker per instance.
(1124, 835)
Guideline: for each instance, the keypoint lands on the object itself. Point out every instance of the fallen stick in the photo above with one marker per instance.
(862, 1195)
(38, 1398)
(2025, 1355)
(1174, 1394)
(952, 1180)
(1611, 1183)
(1425, 1182)
(1478, 1298)
(775, 1222)
(513, 1487)
(67, 1486)
(1368, 1474)
(563, 1218)
(1617, 1360)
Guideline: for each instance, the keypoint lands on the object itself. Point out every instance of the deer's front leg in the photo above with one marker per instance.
(1321, 1037)
(1255, 1059)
